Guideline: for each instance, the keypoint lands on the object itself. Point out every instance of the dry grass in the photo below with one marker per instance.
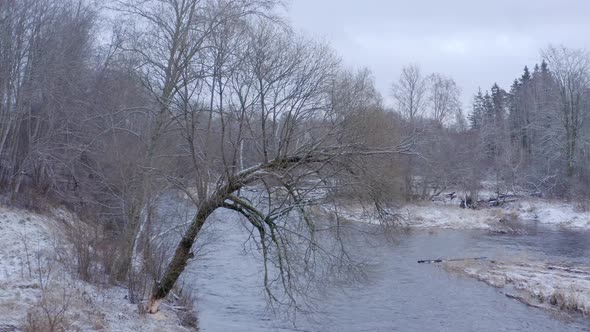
(568, 299)
(42, 290)
(50, 313)
(505, 216)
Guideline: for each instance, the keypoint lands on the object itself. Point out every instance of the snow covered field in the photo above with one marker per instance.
(35, 286)
(541, 285)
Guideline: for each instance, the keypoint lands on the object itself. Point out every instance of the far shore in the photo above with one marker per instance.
(449, 215)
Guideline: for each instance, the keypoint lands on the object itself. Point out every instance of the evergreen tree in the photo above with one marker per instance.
(526, 76)
(514, 111)
(488, 126)
(476, 116)
(499, 104)
(520, 110)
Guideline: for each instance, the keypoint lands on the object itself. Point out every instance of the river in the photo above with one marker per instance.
(400, 295)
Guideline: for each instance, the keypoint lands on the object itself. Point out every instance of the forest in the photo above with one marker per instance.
(107, 107)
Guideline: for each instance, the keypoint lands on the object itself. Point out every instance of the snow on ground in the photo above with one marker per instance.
(551, 212)
(428, 215)
(542, 285)
(33, 282)
(446, 216)
(451, 216)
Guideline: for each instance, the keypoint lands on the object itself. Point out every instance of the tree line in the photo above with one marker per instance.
(532, 138)
(535, 135)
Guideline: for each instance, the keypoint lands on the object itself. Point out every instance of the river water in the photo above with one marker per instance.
(401, 295)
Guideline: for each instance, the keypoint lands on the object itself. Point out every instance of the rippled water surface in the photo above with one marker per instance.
(401, 295)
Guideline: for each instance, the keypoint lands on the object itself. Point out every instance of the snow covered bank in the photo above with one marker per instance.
(551, 212)
(524, 210)
(36, 287)
(427, 215)
(444, 215)
(543, 285)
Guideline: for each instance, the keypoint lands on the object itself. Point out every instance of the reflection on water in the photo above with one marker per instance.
(401, 295)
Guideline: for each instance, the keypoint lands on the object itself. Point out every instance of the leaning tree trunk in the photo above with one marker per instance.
(181, 255)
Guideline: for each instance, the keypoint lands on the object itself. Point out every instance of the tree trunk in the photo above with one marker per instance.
(570, 155)
(409, 179)
(181, 255)
(124, 261)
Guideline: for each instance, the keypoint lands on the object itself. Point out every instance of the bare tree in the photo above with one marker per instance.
(45, 46)
(443, 98)
(271, 98)
(571, 70)
(167, 40)
(410, 93)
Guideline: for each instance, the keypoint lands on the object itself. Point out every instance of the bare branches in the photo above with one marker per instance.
(444, 97)
(410, 93)
(209, 98)
(571, 71)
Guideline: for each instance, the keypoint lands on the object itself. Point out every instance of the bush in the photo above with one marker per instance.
(50, 313)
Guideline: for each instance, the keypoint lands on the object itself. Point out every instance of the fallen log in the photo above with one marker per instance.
(440, 260)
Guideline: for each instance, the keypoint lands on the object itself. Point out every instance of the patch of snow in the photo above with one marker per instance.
(552, 212)
(30, 272)
(426, 215)
(543, 285)
(444, 215)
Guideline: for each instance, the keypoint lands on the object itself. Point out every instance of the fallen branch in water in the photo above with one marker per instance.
(440, 260)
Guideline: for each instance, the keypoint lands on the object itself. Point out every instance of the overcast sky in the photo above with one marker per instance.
(475, 42)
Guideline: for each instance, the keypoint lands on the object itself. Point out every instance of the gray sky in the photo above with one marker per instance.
(475, 42)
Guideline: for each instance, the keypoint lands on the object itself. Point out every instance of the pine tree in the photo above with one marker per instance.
(514, 111)
(476, 116)
(488, 126)
(520, 110)
(499, 103)
(526, 76)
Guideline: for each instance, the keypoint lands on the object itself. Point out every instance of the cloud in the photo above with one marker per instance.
(454, 46)
(476, 43)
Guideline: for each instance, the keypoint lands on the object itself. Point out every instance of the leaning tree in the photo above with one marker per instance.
(251, 104)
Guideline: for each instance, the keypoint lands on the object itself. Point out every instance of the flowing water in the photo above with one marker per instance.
(401, 294)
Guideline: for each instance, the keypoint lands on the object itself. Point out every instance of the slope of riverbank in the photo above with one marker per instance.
(38, 286)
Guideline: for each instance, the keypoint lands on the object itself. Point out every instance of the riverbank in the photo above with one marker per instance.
(38, 284)
(535, 283)
(448, 215)
(542, 285)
